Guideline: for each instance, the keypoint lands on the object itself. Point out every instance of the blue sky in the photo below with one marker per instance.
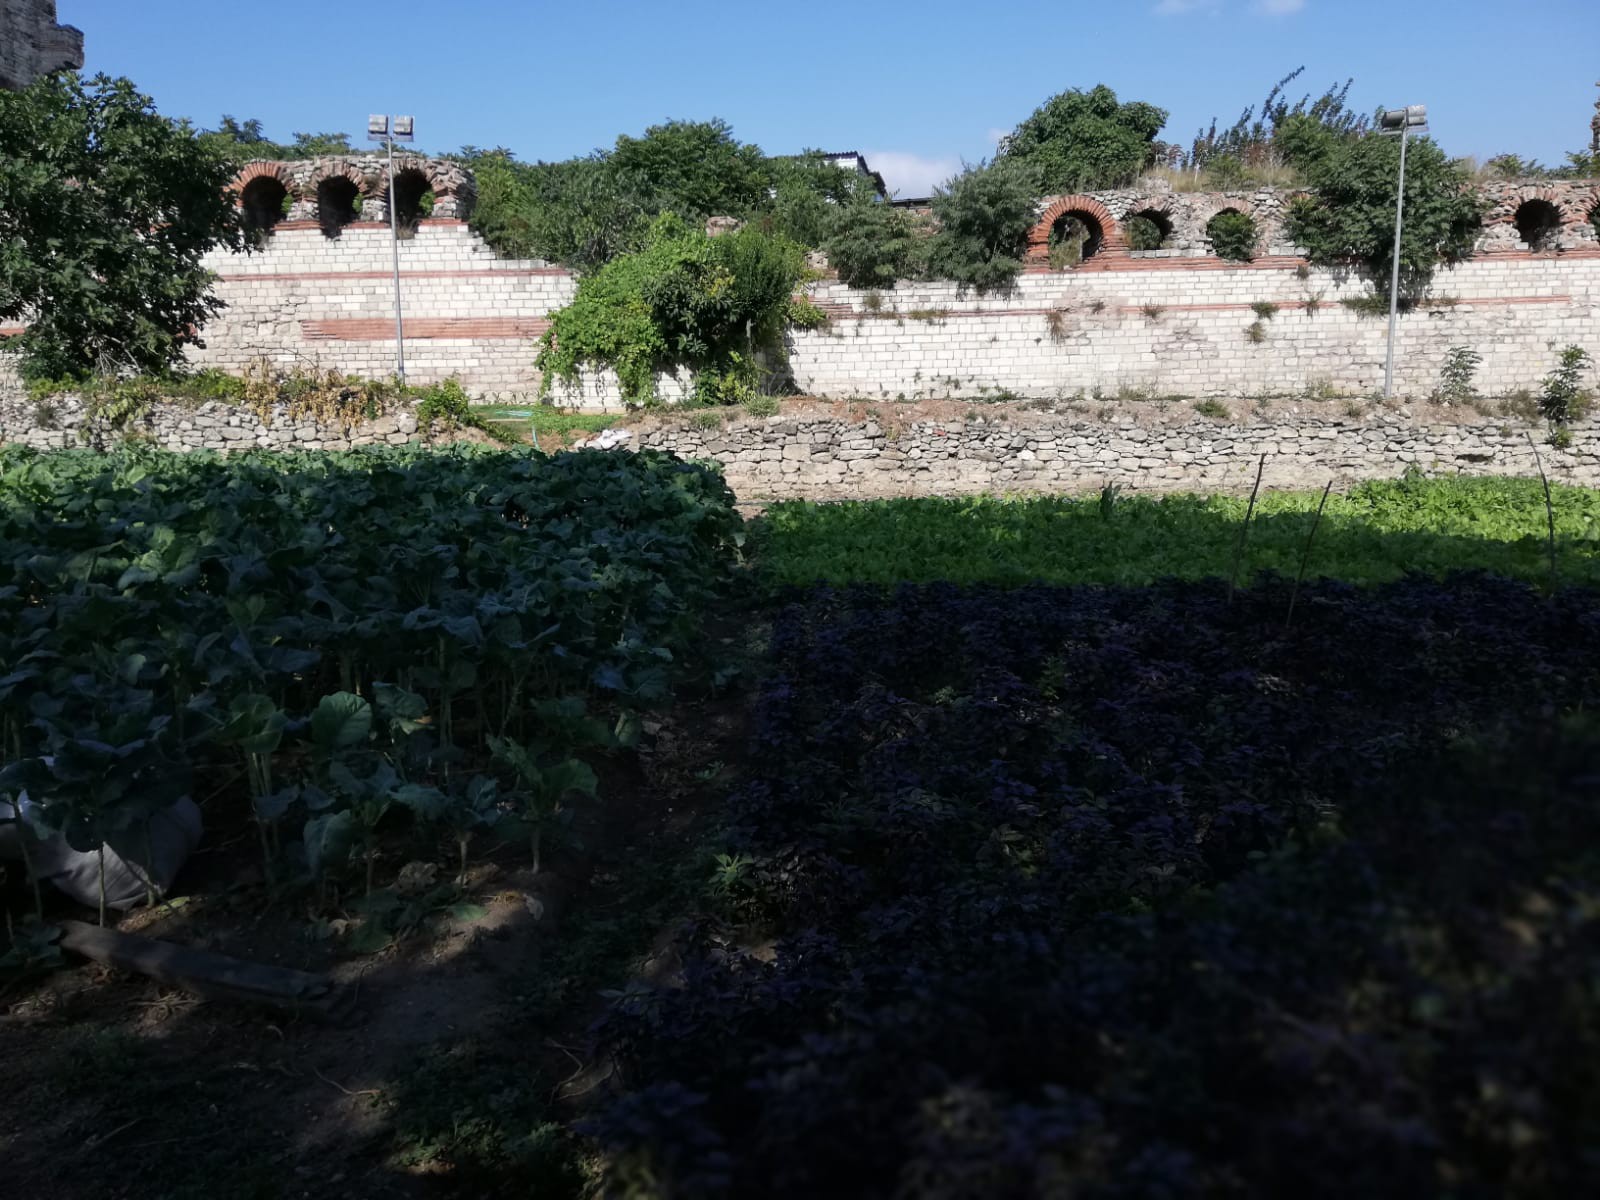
(917, 87)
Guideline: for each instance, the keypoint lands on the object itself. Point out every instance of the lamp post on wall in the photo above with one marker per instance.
(1402, 122)
(381, 128)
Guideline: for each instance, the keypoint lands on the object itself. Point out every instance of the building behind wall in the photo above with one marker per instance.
(32, 43)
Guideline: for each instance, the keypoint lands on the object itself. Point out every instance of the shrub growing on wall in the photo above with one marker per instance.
(685, 300)
(984, 216)
(1351, 217)
(874, 245)
(106, 210)
(1233, 235)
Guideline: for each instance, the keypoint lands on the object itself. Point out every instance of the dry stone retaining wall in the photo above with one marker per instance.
(63, 422)
(825, 458)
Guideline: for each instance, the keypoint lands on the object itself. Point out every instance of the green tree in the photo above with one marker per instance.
(106, 211)
(248, 140)
(696, 169)
(807, 193)
(574, 212)
(1351, 217)
(984, 216)
(874, 245)
(317, 145)
(1081, 140)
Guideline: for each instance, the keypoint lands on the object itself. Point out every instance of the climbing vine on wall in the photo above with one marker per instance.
(716, 306)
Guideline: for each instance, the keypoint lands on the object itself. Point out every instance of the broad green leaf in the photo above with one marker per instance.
(342, 719)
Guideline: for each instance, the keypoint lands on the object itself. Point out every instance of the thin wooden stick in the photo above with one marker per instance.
(1549, 509)
(1305, 556)
(1244, 530)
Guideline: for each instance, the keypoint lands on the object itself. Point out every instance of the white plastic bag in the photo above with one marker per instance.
(173, 836)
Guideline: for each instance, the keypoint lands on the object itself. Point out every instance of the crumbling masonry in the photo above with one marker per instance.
(33, 44)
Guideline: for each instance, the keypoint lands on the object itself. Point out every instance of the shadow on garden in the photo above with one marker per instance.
(1154, 889)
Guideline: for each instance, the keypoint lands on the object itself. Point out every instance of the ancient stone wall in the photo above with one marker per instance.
(1196, 327)
(1174, 321)
(825, 458)
(64, 421)
(1186, 325)
(33, 44)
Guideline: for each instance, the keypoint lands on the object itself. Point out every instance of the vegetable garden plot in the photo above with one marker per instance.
(1134, 893)
(444, 633)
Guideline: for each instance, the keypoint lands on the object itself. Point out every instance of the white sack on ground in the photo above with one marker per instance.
(174, 834)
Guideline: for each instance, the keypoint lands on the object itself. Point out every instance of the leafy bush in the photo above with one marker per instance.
(1078, 141)
(984, 216)
(710, 305)
(874, 245)
(1233, 235)
(1351, 218)
(107, 210)
(1564, 398)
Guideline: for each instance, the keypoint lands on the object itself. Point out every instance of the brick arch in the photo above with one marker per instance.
(1112, 239)
(438, 180)
(340, 170)
(253, 171)
(1505, 213)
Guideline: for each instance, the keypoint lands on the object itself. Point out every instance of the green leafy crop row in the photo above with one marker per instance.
(1377, 531)
(448, 633)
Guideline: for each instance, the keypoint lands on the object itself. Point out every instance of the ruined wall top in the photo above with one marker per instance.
(33, 44)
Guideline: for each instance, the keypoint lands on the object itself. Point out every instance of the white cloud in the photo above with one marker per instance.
(1280, 8)
(912, 175)
(1173, 8)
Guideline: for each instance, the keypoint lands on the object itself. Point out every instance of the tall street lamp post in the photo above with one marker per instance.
(383, 129)
(1402, 122)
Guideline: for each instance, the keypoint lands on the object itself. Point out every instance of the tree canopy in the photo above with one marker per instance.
(1351, 216)
(1080, 140)
(106, 210)
(247, 139)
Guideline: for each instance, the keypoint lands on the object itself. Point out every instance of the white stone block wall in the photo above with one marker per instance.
(1185, 331)
(1168, 326)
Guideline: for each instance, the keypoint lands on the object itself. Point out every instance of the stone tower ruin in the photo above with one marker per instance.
(33, 44)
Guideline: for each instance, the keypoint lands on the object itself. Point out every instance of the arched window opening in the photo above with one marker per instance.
(338, 204)
(413, 200)
(1075, 238)
(1594, 220)
(1539, 225)
(265, 202)
(1148, 230)
(1233, 235)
